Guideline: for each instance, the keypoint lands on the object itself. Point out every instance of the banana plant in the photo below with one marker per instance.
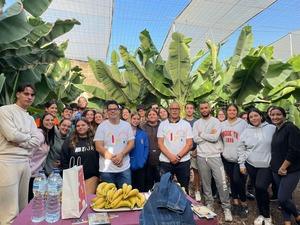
(27, 49)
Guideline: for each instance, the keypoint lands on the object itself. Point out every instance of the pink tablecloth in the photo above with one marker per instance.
(120, 218)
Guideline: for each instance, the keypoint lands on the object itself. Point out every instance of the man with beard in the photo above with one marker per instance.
(18, 137)
(206, 133)
(175, 139)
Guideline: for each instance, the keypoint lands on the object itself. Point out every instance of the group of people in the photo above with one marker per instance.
(120, 146)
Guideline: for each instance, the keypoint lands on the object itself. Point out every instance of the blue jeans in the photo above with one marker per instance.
(117, 178)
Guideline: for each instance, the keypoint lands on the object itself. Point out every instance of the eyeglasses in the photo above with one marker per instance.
(113, 109)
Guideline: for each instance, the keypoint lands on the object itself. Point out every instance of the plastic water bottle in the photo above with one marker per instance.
(38, 202)
(53, 200)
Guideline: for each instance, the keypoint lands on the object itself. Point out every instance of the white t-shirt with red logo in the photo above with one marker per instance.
(175, 136)
(115, 137)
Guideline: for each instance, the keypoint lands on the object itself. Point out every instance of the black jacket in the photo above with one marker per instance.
(286, 146)
(154, 150)
(89, 157)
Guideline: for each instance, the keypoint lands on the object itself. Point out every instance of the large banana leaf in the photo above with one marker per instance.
(59, 28)
(36, 7)
(104, 76)
(13, 24)
(115, 72)
(277, 73)
(295, 62)
(48, 54)
(246, 83)
(200, 88)
(95, 91)
(2, 80)
(153, 85)
(178, 64)
(283, 89)
(243, 46)
(133, 87)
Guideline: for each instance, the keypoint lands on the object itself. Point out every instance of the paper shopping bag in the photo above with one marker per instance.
(74, 200)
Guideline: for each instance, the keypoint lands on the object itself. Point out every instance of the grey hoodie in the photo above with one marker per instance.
(209, 143)
(231, 133)
(255, 146)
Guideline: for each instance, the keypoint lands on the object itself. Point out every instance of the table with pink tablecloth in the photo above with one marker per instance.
(116, 218)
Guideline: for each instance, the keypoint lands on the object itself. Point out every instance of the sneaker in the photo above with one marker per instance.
(197, 196)
(227, 215)
(259, 220)
(243, 211)
(268, 221)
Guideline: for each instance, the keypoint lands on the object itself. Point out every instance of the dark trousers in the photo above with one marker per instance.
(236, 179)
(262, 178)
(286, 186)
(152, 175)
(181, 170)
(138, 179)
(30, 191)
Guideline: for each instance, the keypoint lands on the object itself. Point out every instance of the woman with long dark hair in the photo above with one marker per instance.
(39, 155)
(254, 156)
(80, 144)
(285, 162)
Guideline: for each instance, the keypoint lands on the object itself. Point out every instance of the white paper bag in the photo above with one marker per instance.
(74, 200)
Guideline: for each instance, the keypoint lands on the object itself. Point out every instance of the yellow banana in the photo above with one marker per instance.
(107, 188)
(99, 205)
(99, 200)
(110, 194)
(117, 194)
(115, 202)
(133, 192)
(123, 203)
(133, 200)
(101, 186)
(126, 192)
(141, 200)
(107, 205)
(124, 187)
(93, 200)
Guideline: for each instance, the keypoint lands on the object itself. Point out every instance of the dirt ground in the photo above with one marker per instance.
(275, 212)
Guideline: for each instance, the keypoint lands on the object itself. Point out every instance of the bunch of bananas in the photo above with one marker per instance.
(109, 197)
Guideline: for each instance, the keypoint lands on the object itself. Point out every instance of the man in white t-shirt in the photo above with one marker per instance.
(114, 139)
(175, 139)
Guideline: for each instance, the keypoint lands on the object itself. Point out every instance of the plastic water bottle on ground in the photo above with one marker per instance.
(53, 200)
(38, 202)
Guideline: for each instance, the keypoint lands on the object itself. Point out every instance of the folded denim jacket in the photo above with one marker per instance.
(167, 205)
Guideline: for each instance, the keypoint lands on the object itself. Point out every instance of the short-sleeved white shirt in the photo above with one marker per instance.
(115, 137)
(175, 136)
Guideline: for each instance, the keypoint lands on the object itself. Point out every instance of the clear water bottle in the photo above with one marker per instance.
(38, 202)
(53, 200)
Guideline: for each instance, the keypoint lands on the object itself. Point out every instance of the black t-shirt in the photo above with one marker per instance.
(88, 154)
